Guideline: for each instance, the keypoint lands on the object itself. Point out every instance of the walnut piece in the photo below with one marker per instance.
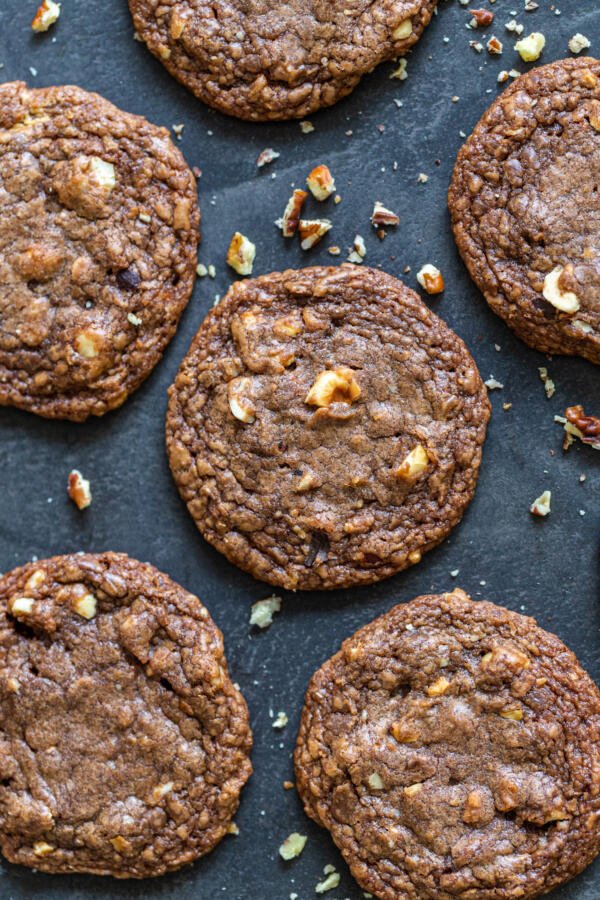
(291, 216)
(482, 17)
(554, 293)
(312, 230)
(292, 846)
(333, 386)
(241, 254)
(78, 489)
(413, 465)
(239, 403)
(530, 47)
(541, 506)
(320, 183)
(381, 216)
(47, 14)
(588, 427)
(403, 30)
(430, 278)
(85, 606)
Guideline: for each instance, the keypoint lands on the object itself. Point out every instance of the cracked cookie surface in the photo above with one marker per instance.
(98, 237)
(260, 60)
(452, 750)
(123, 742)
(325, 428)
(525, 207)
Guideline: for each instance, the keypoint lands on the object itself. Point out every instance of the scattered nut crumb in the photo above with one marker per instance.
(401, 71)
(493, 385)
(266, 156)
(541, 506)
(334, 250)
(292, 846)
(201, 270)
(280, 721)
(549, 386)
(78, 489)
(263, 611)
(422, 178)
(241, 254)
(133, 319)
(430, 278)
(47, 14)
(381, 215)
(358, 250)
(306, 127)
(312, 230)
(233, 829)
(482, 17)
(329, 883)
(178, 130)
(530, 48)
(577, 424)
(291, 216)
(320, 183)
(578, 43)
(494, 46)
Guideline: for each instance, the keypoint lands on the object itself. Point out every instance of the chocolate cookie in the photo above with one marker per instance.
(260, 60)
(452, 750)
(123, 743)
(325, 428)
(98, 235)
(526, 209)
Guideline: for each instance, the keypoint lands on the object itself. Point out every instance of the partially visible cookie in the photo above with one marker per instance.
(98, 235)
(260, 60)
(525, 207)
(325, 428)
(452, 750)
(123, 743)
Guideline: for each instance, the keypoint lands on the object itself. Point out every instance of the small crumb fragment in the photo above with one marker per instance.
(263, 611)
(320, 183)
(358, 250)
(47, 14)
(494, 46)
(477, 46)
(422, 178)
(578, 425)
(506, 406)
(430, 278)
(578, 43)
(549, 385)
(401, 71)
(233, 829)
(306, 127)
(201, 270)
(266, 156)
(541, 506)
(334, 250)
(312, 230)
(382, 216)
(328, 884)
(280, 721)
(530, 48)
(241, 254)
(376, 782)
(178, 130)
(78, 489)
(292, 846)
(42, 848)
(493, 385)
(133, 319)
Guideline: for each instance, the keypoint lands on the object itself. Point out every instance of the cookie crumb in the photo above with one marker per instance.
(263, 611)
(292, 846)
(541, 506)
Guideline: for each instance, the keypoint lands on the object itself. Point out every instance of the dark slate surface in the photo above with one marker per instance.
(548, 568)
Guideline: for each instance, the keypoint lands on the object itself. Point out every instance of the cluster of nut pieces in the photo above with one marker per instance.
(577, 425)
(81, 601)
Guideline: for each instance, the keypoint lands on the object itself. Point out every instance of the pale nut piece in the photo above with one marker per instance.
(403, 30)
(403, 733)
(87, 344)
(413, 789)
(376, 782)
(292, 846)
(121, 844)
(381, 216)
(241, 254)
(333, 386)
(78, 489)
(86, 606)
(288, 326)
(21, 606)
(565, 301)
(321, 183)
(291, 216)
(42, 848)
(35, 580)
(530, 47)
(514, 712)
(413, 465)
(266, 156)
(239, 402)
(177, 26)
(430, 278)
(594, 114)
(541, 506)
(312, 230)
(438, 688)
(160, 791)
(47, 14)
(103, 173)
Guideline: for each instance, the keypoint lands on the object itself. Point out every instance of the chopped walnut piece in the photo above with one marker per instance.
(266, 156)
(86, 606)
(578, 43)
(403, 30)
(241, 254)
(78, 489)
(494, 46)
(482, 17)
(588, 427)
(514, 712)
(291, 216)
(263, 611)
(430, 278)
(439, 687)
(413, 789)
(381, 215)
(240, 404)
(47, 14)
(554, 290)
(320, 183)
(333, 386)
(541, 506)
(530, 47)
(42, 848)
(21, 606)
(312, 230)
(413, 465)
(376, 782)
(400, 72)
(292, 846)
(549, 385)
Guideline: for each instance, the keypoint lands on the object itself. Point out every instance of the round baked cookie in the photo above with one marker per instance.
(526, 209)
(260, 60)
(325, 428)
(98, 235)
(123, 743)
(452, 750)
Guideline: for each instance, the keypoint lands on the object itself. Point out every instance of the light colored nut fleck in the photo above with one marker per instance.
(241, 254)
(47, 14)
(594, 114)
(514, 712)
(306, 127)
(333, 386)
(494, 46)
(86, 606)
(291, 215)
(78, 489)
(103, 173)
(308, 482)
(266, 156)
(239, 403)
(381, 215)
(312, 230)
(541, 506)
(439, 687)
(21, 606)
(233, 829)
(329, 883)
(280, 721)
(403, 30)
(530, 47)
(134, 320)
(413, 789)
(13, 685)
(578, 43)
(42, 848)
(288, 326)
(403, 733)
(401, 71)
(263, 611)
(320, 183)
(413, 465)
(376, 781)
(121, 844)
(87, 344)
(430, 278)
(549, 385)
(160, 791)
(565, 301)
(292, 846)
(177, 26)
(35, 580)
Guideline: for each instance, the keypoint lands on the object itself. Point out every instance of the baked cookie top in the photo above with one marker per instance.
(526, 209)
(259, 60)
(452, 750)
(123, 743)
(98, 234)
(325, 427)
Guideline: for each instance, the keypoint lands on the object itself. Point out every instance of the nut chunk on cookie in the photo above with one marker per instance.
(97, 252)
(125, 744)
(451, 748)
(525, 213)
(316, 432)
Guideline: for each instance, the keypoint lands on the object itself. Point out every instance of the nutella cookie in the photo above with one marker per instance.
(452, 750)
(123, 743)
(526, 209)
(325, 428)
(260, 60)
(98, 234)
